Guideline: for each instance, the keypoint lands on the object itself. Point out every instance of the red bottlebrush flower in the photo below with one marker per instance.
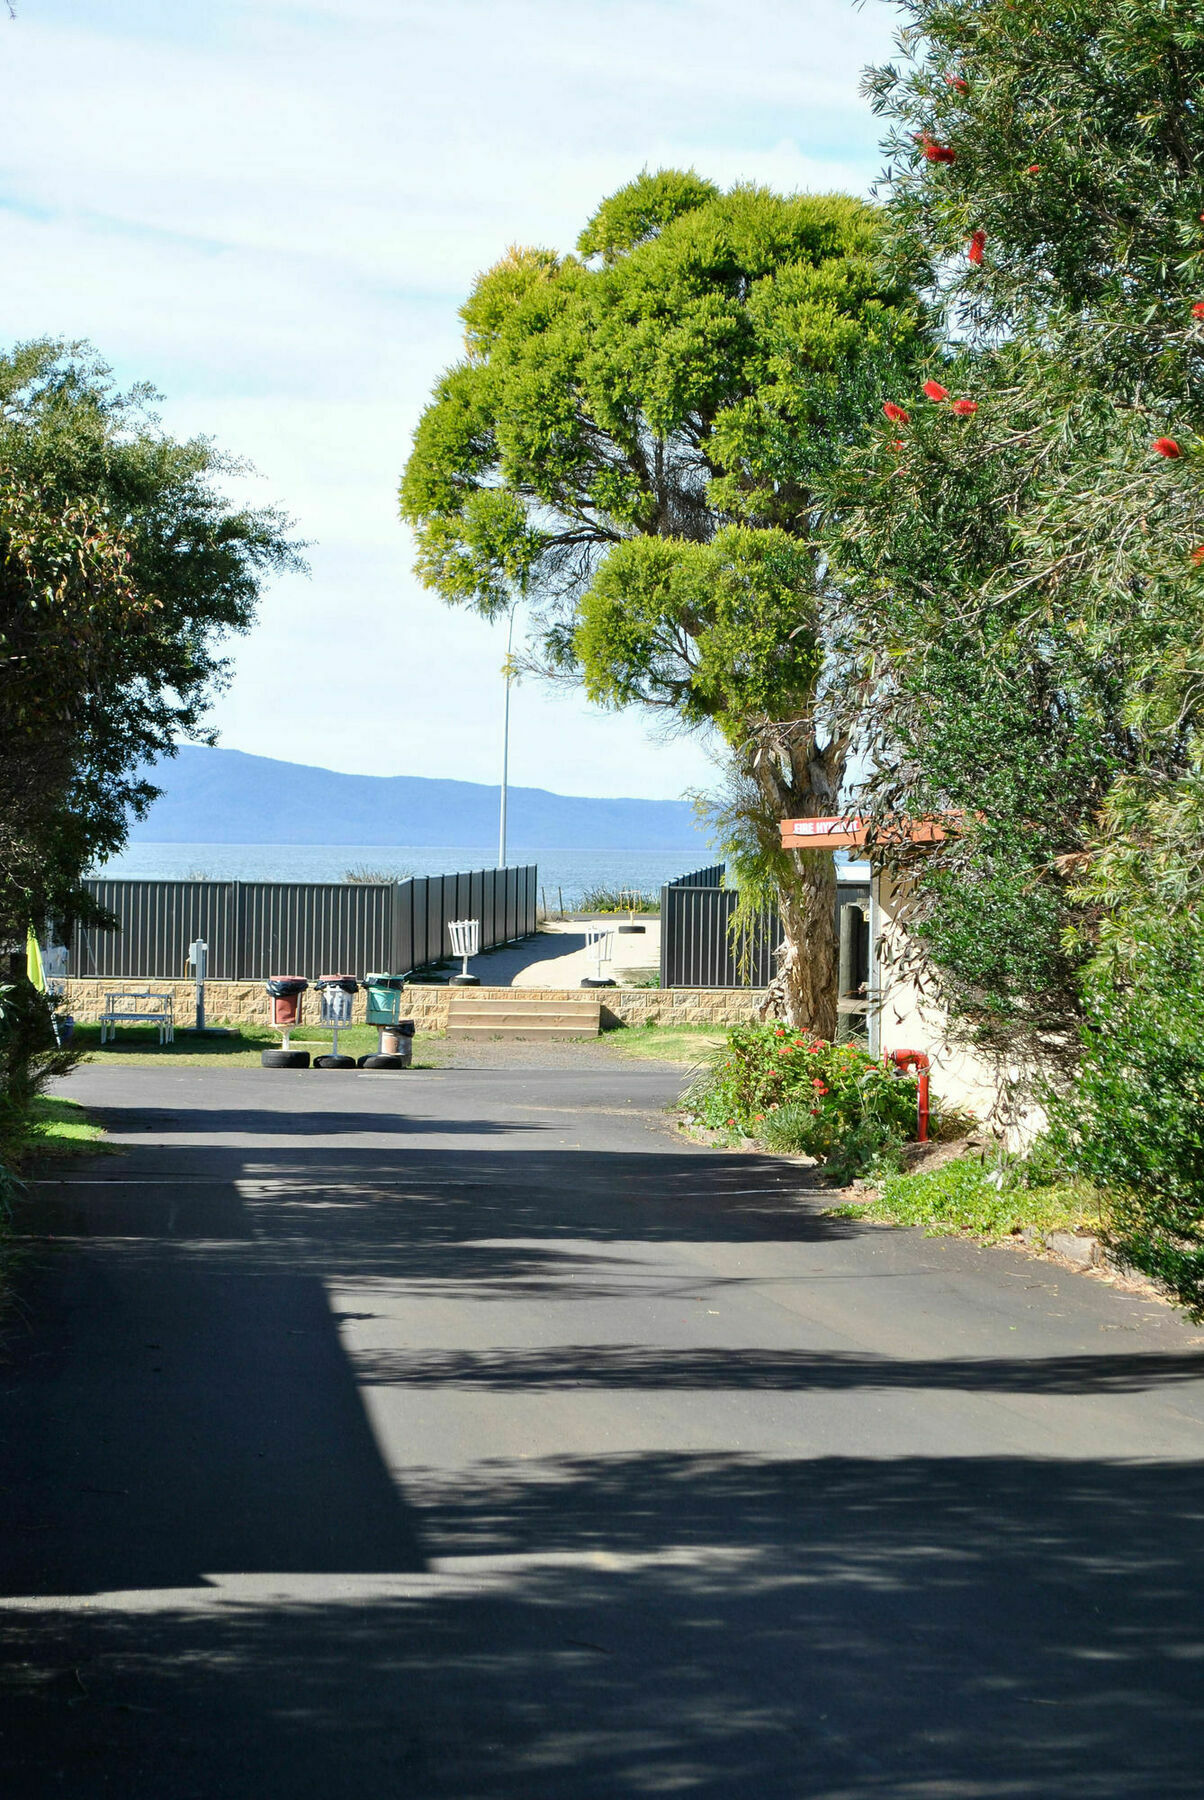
(940, 153)
(935, 391)
(978, 243)
(963, 408)
(1197, 311)
(958, 83)
(1033, 169)
(896, 443)
(1197, 555)
(896, 414)
(1166, 447)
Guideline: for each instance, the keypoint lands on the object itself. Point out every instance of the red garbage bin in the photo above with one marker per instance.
(285, 992)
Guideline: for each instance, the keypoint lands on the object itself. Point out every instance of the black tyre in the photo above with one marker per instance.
(591, 982)
(334, 1062)
(384, 1062)
(284, 1059)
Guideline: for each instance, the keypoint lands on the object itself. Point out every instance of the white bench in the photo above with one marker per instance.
(124, 1008)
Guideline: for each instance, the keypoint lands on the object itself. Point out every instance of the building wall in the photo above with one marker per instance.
(245, 1003)
(906, 1020)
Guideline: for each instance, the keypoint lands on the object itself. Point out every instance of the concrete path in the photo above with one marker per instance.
(559, 954)
(463, 1434)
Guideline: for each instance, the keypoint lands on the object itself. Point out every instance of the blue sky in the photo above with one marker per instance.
(271, 209)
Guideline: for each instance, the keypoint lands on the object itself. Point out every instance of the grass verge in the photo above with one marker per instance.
(59, 1128)
(685, 1044)
(961, 1197)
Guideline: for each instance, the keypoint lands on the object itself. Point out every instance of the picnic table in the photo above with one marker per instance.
(138, 1006)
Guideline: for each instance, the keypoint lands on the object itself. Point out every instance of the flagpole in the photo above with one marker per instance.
(501, 836)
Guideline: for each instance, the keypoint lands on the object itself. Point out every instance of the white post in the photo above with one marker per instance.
(198, 956)
(501, 835)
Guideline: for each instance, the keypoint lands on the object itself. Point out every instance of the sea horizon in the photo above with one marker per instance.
(563, 873)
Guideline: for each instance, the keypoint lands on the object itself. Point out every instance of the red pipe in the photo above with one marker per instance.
(904, 1061)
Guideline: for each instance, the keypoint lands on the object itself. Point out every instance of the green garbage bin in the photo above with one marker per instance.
(396, 1047)
(384, 998)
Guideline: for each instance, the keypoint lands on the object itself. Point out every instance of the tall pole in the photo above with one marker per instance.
(501, 833)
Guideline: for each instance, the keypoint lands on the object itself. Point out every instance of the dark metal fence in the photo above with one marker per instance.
(711, 877)
(697, 944)
(260, 928)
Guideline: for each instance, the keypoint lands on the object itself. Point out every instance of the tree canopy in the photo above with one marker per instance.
(123, 567)
(1020, 555)
(633, 443)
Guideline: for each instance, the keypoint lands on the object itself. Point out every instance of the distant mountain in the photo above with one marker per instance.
(228, 797)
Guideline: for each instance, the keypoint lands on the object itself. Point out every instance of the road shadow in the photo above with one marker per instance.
(165, 1418)
(709, 1626)
(641, 1367)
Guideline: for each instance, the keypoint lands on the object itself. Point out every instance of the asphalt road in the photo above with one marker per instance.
(464, 1434)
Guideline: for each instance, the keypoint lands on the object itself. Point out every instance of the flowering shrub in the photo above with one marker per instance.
(830, 1092)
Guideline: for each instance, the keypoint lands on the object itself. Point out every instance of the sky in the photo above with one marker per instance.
(272, 209)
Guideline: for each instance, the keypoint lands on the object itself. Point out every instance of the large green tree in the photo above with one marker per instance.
(1020, 558)
(123, 568)
(632, 446)
(1025, 565)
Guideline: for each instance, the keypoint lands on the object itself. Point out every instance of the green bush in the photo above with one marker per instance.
(967, 1194)
(802, 1095)
(617, 900)
(30, 1058)
(1134, 1121)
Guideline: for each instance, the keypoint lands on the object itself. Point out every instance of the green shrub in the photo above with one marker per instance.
(605, 899)
(968, 1194)
(30, 1058)
(802, 1095)
(1134, 1122)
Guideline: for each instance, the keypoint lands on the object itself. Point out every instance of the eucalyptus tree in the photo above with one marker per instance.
(633, 443)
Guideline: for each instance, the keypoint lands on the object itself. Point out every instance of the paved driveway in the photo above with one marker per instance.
(463, 1434)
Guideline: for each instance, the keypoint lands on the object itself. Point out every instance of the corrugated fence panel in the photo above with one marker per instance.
(159, 920)
(696, 943)
(327, 928)
(711, 877)
(259, 928)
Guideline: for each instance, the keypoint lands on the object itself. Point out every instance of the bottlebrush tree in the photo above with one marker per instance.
(1028, 607)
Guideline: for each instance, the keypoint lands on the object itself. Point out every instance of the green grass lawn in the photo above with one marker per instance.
(60, 1128)
(686, 1044)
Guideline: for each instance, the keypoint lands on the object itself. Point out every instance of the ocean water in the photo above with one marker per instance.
(562, 873)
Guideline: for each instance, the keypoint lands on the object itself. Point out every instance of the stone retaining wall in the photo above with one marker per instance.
(245, 1003)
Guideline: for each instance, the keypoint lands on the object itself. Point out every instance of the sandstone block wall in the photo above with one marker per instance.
(245, 1003)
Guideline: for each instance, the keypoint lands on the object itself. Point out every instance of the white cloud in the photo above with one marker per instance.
(272, 208)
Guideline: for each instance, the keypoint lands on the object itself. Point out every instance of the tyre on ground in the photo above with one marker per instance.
(284, 1059)
(334, 1062)
(377, 1061)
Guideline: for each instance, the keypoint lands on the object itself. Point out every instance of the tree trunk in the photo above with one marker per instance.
(797, 777)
